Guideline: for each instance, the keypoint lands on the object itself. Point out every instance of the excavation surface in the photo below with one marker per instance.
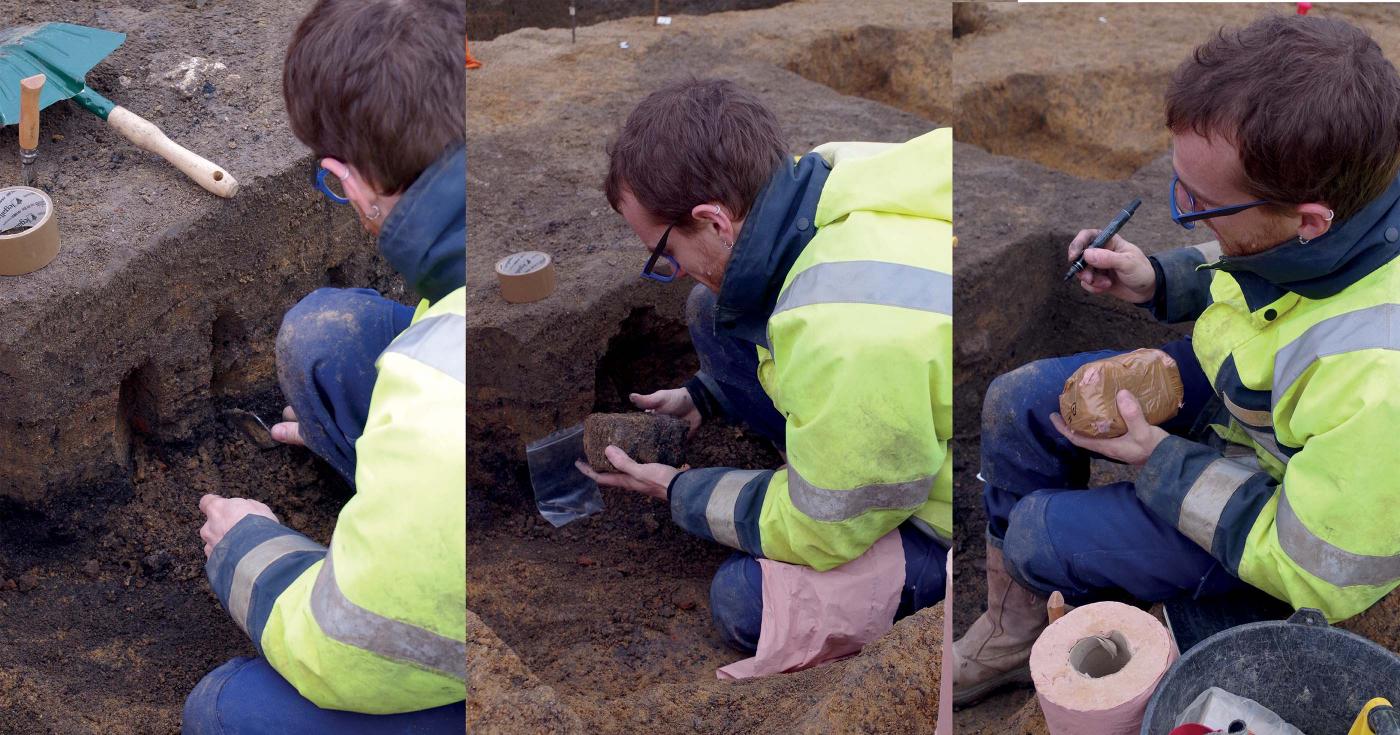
(116, 360)
(604, 625)
(1073, 136)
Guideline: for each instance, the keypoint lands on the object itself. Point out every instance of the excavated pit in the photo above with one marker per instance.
(159, 312)
(605, 623)
(1061, 108)
(488, 19)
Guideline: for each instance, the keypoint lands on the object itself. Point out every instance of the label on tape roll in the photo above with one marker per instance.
(28, 230)
(21, 208)
(519, 264)
(526, 276)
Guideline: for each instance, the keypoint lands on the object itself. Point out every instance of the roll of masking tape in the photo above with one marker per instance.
(1095, 668)
(525, 277)
(28, 230)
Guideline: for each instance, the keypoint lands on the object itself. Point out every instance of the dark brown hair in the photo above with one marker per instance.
(1311, 103)
(379, 84)
(693, 142)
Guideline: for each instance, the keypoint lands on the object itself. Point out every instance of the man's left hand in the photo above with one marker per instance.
(222, 514)
(1134, 447)
(647, 479)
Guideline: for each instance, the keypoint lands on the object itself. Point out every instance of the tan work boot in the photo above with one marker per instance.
(996, 651)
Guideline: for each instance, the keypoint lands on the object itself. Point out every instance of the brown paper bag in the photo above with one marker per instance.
(1089, 403)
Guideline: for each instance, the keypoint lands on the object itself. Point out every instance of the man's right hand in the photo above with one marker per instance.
(674, 402)
(1119, 269)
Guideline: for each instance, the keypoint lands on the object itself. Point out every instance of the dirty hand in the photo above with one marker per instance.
(222, 514)
(1134, 447)
(1119, 269)
(647, 479)
(674, 402)
(288, 431)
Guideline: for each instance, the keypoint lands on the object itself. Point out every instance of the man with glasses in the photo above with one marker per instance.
(822, 320)
(1285, 144)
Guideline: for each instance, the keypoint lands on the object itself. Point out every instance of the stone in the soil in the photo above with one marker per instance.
(645, 437)
(504, 697)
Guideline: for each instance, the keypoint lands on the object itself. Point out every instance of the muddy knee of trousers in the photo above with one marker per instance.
(1028, 551)
(736, 601)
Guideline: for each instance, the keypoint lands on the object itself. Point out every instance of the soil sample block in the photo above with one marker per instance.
(646, 437)
(1089, 403)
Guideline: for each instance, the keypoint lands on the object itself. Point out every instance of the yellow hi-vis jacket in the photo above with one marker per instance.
(1302, 346)
(377, 622)
(854, 341)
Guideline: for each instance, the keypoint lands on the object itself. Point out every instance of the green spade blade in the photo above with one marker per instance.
(63, 52)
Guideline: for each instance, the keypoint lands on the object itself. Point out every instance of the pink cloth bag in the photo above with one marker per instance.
(811, 618)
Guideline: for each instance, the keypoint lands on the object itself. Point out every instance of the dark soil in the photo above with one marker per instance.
(645, 437)
(106, 618)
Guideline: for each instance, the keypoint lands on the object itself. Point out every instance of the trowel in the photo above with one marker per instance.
(253, 428)
(29, 91)
(65, 53)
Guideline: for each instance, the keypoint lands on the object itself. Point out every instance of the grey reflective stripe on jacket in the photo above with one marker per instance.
(869, 282)
(253, 564)
(1373, 328)
(823, 504)
(1328, 562)
(440, 342)
(344, 621)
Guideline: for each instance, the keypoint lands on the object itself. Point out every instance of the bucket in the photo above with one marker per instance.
(1316, 677)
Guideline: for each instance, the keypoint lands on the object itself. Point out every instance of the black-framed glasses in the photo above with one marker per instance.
(662, 271)
(1188, 215)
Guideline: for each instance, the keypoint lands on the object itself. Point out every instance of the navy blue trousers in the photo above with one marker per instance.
(326, 350)
(729, 368)
(1090, 545)
(247, 697)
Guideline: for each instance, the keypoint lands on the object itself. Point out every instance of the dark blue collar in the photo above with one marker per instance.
(425, 237)
(780, 224)
(1321, 268)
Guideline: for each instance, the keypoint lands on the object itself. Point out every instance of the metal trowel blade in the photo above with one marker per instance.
(252, 427)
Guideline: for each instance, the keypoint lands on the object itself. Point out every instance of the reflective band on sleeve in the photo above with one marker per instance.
(1374, 328)
(251, 566)
(1207, 497)
(1327, 562)
(870, 282)
(1268, 442)
(344, 621)
(1247, 416)
(440, 342)
(719, 511)
(838, 505)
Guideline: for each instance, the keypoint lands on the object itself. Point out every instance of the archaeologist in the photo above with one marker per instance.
(368, 634)
(822, 320)
(1285, 144)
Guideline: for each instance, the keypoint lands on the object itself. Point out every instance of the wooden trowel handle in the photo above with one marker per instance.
(29, 89)
(148, 137)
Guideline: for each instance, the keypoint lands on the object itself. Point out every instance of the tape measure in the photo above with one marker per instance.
(526, 276)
